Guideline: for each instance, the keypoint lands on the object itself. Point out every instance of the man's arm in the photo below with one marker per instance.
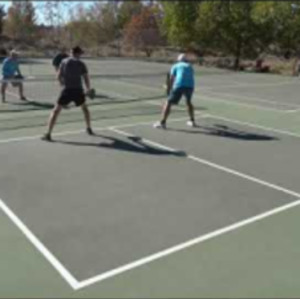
(86, 80)
(60, 75)
(18, 71)
(172, 79)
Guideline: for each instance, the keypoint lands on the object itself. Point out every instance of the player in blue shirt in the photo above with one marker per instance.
(11, 74)
(181, 83)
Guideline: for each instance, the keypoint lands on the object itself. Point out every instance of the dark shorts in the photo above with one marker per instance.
(176, 94)
(69, 95)
(12, 82)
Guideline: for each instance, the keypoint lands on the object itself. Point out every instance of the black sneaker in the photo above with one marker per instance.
(46, 137)
(90, 131)
(23, 99)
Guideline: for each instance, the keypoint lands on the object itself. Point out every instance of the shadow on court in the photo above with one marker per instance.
(227, 132)
(28, 106)
(134, 144)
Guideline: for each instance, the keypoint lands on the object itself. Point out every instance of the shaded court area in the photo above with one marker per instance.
(102, 202)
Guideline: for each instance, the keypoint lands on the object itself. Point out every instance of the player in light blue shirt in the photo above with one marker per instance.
(11, 74)
(181, 83)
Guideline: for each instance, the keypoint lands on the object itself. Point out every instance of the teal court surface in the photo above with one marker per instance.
(137, 212)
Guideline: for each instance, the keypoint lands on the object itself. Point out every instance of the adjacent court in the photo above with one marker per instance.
(111, 210)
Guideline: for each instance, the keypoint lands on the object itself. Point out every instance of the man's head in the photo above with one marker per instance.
(77, 51)
(182, 58)
(13, 54)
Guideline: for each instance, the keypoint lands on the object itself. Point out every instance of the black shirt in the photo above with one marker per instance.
(72, 70)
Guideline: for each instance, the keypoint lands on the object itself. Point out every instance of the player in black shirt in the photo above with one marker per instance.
(70, 74)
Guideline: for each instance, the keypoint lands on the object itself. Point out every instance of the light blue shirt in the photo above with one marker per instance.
(9, 67)
(184, 75)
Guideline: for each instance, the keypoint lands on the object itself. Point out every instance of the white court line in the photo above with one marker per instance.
(292, 111)
(213, 165)
(200, 239)
(253, 99)
(213, 98)
(250, 85)
(34, 137)
(254, 125)
(39, 246)
(65, 133)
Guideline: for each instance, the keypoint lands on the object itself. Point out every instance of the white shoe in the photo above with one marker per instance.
(159, 125)
(191, 123)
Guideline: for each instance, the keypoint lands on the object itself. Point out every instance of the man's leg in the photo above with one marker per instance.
(165, 113)
(190, 108)
(87, 118)
(3, 90)
(174, 98)
(52, 120)
(21, 92)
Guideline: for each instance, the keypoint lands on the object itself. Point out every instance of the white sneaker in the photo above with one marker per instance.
(191, 123)
(159, 125)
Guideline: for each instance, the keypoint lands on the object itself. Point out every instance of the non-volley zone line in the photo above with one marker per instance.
(74, 132)
(197, 114)
(76, 285)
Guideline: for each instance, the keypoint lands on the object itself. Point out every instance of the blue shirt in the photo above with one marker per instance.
(9, 67)
(184, 75)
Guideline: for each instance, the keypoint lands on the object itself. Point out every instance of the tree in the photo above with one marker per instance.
(2, 15)
(21, 21)
(142, 32)
(93, 25)
(229, 26)
(179, 22)
(287, 22)
(108, 21)
(126, 11)
(55, 19)
(80, 27)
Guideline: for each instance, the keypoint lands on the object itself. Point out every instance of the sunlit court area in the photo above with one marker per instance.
(149, 149)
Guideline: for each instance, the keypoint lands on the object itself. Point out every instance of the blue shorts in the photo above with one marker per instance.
(12, 82)
(176, 94)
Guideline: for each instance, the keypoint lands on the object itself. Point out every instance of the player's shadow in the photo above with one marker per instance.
(226, 132)
(134, 144)
(28, 105)
(40, 105)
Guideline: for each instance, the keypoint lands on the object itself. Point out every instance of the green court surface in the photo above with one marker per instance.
(136, 212)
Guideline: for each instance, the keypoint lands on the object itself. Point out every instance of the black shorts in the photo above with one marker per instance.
(69, 95)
